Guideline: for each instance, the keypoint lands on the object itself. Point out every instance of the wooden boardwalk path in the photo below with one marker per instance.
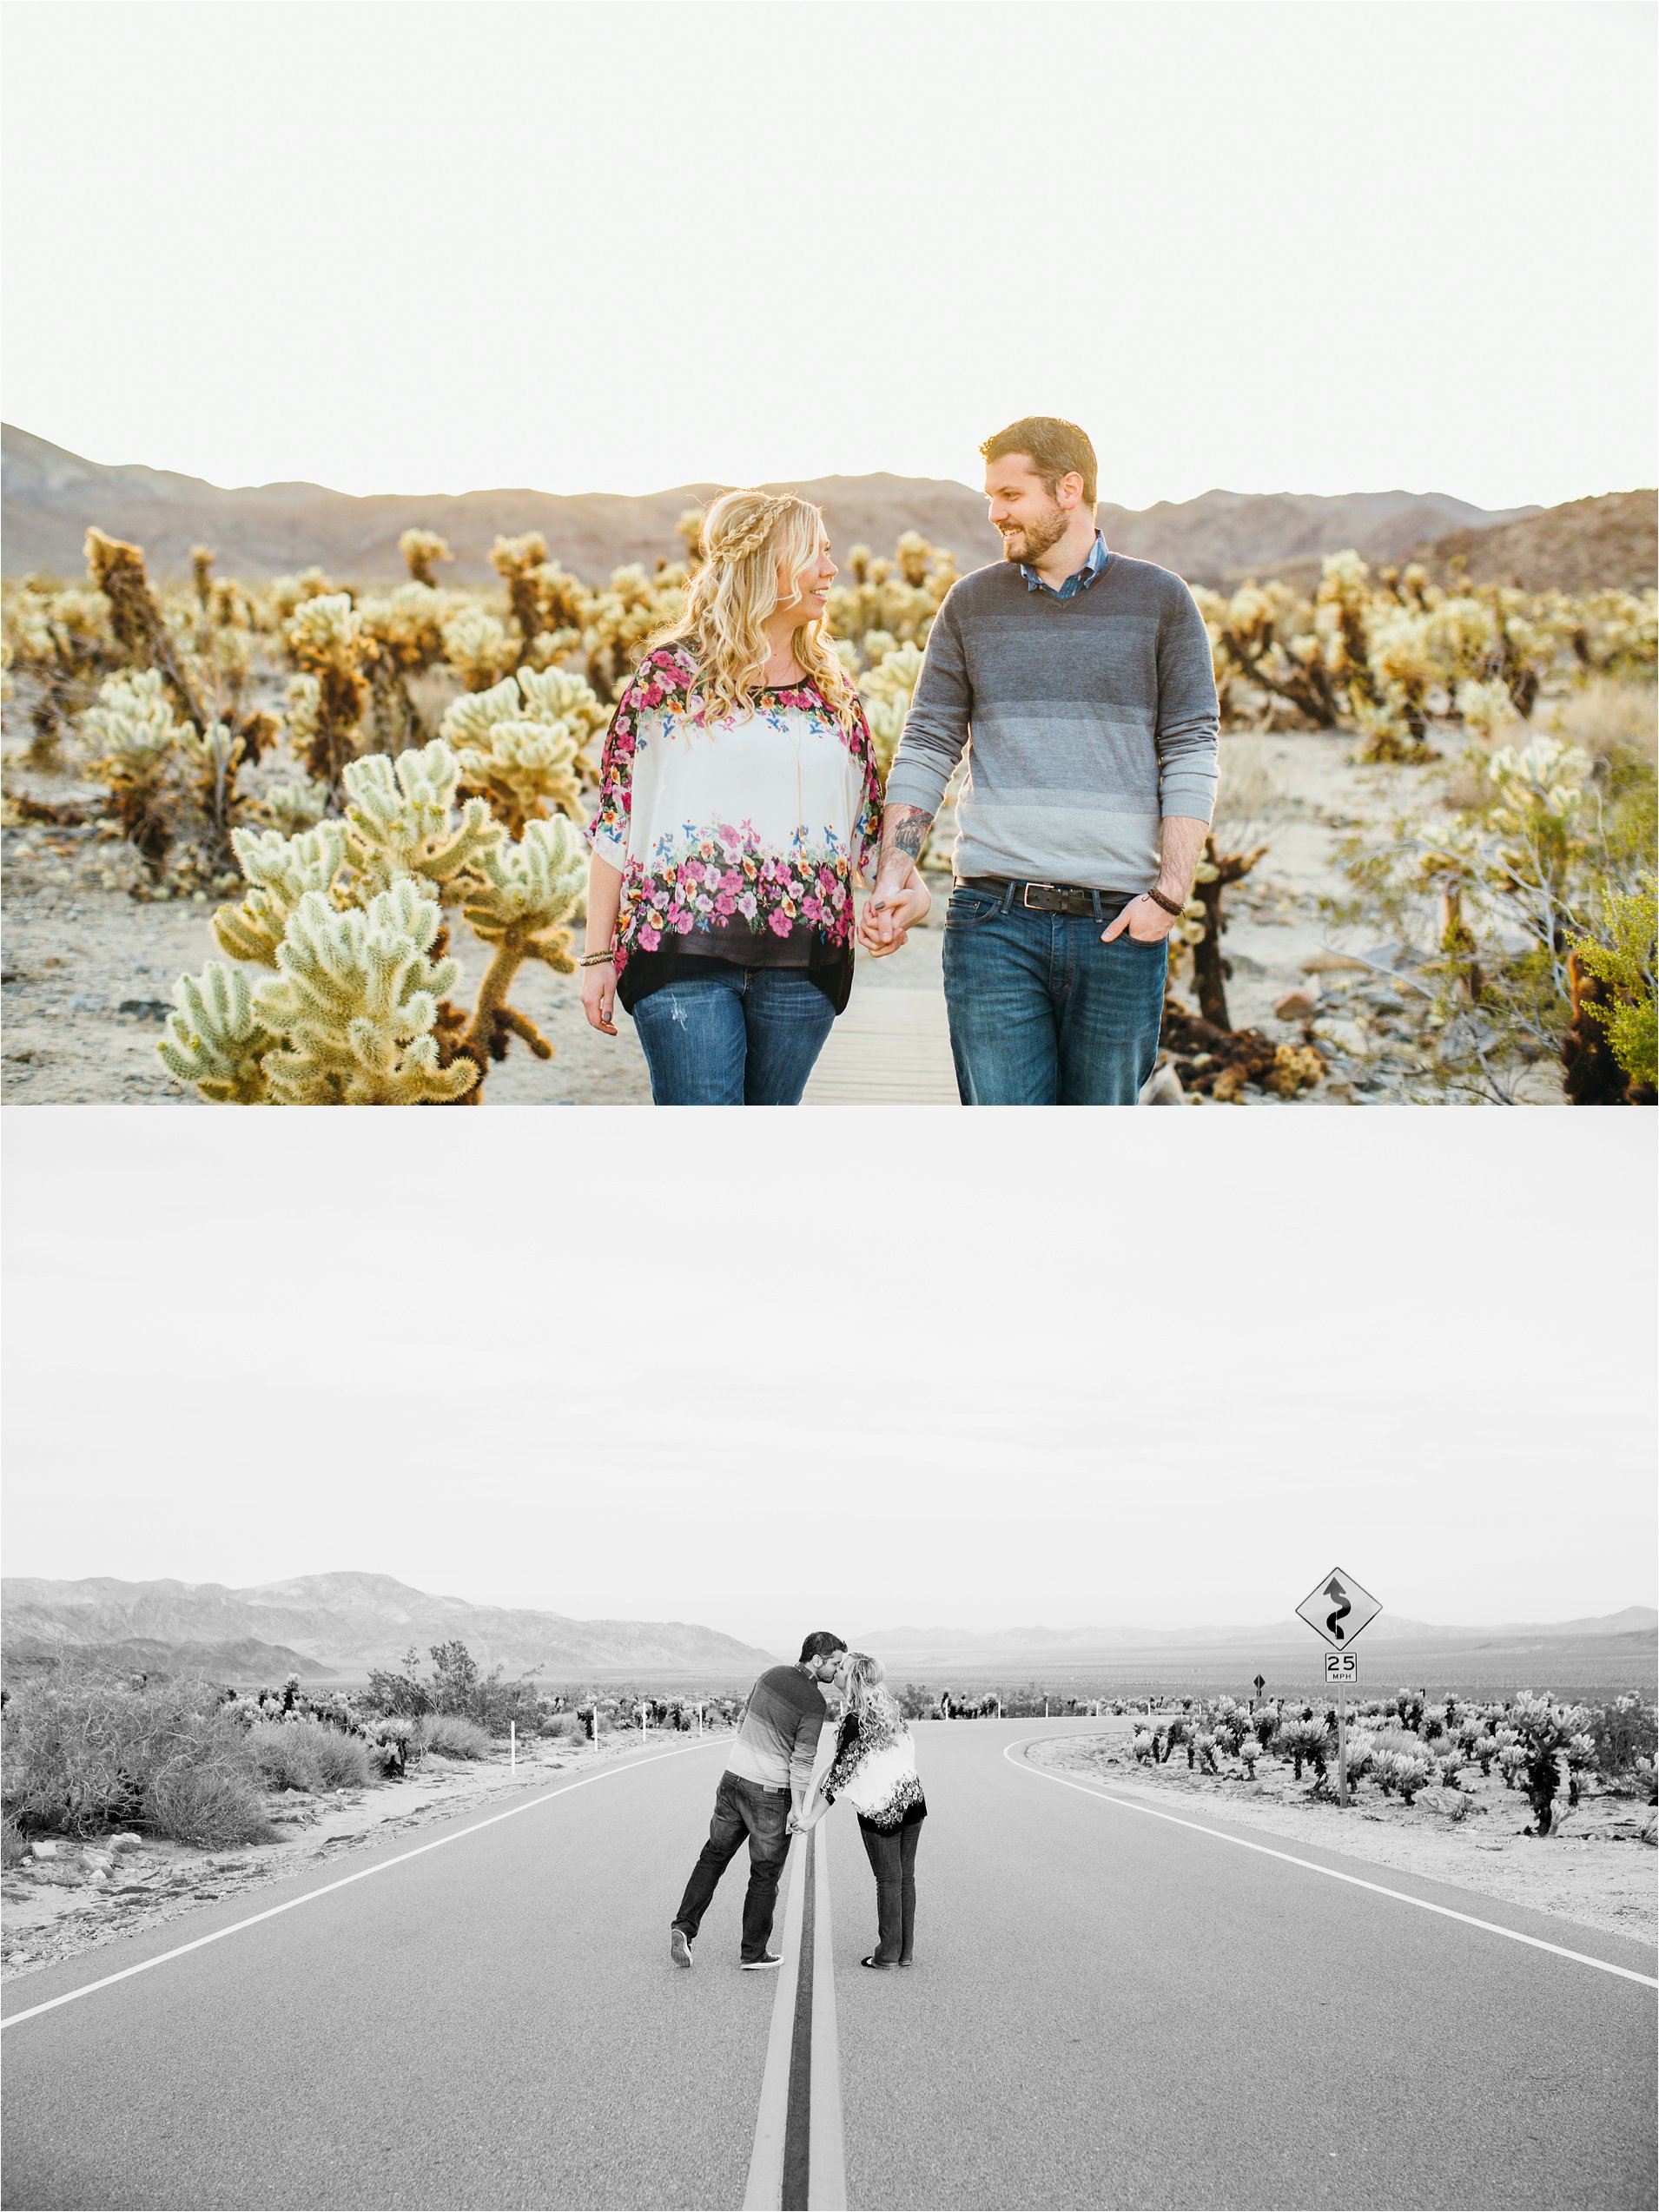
(892, 1045)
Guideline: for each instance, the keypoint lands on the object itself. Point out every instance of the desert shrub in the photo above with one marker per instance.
(563, 1727)
(211, 1805)
(12, 1846)
(451, 1736)
(305, 1755)
(86, 1749)
(1624, 1732)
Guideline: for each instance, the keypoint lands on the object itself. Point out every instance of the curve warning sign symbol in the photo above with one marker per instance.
(1338, 1608)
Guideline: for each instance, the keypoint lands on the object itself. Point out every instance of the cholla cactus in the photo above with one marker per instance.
(1249, 1753)
(398, 821)
(617, 621)
(215, 754)
(1144, 1746)
(422, 550)
(325, 636)
(281, 871)
(139, 737)
(1485, 708)
(1554, 1740)
(216, 1040)
(117, 569)
(478, 648)
(891, 602)
(289, 592)
(356, 1003)
(547, 604)
(522, 743)
(1304, 1739)
(1397, 1765)
(292, 806)
(528, 890)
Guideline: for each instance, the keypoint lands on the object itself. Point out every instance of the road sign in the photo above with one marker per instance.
(1338, 1609)
(1342, 1667)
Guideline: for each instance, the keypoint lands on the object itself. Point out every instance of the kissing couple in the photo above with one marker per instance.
(767, 1793)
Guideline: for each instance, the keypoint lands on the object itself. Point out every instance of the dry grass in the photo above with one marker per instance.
(308, 1755)
(450, 1736)
(1604, 715)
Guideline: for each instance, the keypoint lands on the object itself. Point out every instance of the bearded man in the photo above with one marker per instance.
(1078, 684)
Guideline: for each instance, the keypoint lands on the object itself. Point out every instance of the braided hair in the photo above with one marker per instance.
(746, 535)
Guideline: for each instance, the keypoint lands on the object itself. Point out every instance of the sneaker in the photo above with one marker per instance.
(882, 1966)
(759, 1966)
(679, 1946)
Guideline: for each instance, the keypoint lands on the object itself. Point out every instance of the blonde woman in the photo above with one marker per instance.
(738, 800)
(873, 1767)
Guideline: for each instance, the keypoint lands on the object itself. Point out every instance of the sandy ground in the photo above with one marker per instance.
(51, 1909)
(1596, 1872)
(90, 970)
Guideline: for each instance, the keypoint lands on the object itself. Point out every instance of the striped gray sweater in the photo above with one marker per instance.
(1085, 720)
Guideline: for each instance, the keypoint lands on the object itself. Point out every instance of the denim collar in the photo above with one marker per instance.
(1079, 580)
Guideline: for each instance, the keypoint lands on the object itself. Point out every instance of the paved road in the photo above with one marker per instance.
(1106, 2009)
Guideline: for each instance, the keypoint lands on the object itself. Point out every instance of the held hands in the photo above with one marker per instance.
(1144, 919)
(600, 996)
(891, 911)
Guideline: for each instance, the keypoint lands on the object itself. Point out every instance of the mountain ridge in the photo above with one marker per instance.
(52, 495)
(346, 1621)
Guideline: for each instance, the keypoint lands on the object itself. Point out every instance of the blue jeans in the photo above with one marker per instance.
(1043, 1013)
(736, 1036)
(742, 1808)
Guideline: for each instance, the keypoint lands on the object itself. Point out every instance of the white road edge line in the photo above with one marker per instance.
(764, 2192)
(563, 1789)
(826, 2147)
(1536, 1943)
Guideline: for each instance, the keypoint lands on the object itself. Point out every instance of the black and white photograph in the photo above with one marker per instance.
(878, 557)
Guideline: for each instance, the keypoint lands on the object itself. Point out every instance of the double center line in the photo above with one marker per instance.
(798, 2163)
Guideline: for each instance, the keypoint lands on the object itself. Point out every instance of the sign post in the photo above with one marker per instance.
(1338, 1609)
(1261, 1684)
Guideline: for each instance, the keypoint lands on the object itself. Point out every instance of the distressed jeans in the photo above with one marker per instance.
(734, 1037)
(1043, 1013)
(742, 1808)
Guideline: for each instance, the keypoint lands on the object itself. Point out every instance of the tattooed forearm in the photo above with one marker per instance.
(905, 832)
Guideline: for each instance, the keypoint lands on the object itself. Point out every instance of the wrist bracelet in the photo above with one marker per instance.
(1169, 906)
(594, 959)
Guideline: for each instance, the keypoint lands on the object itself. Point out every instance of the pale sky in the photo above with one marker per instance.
(856, 1369)
(425, 245)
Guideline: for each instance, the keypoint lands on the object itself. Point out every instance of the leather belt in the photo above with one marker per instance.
(1050, 898)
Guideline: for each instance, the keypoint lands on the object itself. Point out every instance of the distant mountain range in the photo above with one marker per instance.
(964, 1647)
(342, 1624)
(51, 496)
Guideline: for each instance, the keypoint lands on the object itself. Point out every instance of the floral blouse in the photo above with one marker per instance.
(739, 839)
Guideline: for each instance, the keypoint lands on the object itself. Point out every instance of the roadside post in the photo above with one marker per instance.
(1338, 1609)
(513, 1747)
(643, 1711)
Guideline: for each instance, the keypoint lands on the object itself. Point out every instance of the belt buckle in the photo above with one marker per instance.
(1025, 900)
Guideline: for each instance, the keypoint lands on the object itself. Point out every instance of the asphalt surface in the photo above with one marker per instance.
(1104, 2009)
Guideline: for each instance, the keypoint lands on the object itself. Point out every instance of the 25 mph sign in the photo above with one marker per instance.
(1338, 1609)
